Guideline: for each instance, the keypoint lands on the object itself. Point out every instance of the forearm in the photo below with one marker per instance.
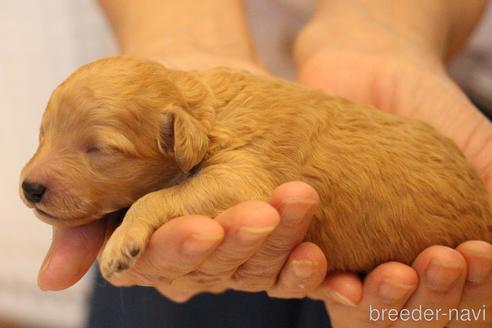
(438, 28)
(182, 32)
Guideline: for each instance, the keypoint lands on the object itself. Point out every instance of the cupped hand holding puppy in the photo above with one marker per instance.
(246, 247)
(379, 61)
(462, 277)
(253, 246)
(264, 251)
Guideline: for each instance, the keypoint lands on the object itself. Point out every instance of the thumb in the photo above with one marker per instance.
(72, 252)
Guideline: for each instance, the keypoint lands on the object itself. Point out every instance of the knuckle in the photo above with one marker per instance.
(280, 292)
(252, 281)
(208, 279)
(158, 270)
(281, 244)
(224, 261)
(163, 266)
(274, 293)
(142, 278)
(177, 297)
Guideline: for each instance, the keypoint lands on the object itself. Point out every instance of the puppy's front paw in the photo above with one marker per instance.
(123, 248)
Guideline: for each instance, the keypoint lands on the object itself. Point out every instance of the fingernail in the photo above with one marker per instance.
(295, 210)
(480, 271)
(253, 233)
(391, 291)
(303, 269)
(200, 244)
(339, 298)
(441, 275)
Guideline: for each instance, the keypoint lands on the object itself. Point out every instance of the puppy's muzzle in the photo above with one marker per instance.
(33, 191)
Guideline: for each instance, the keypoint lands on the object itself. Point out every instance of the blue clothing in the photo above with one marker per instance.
(143, 307)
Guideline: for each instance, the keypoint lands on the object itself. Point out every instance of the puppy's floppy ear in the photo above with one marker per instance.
(183, 137)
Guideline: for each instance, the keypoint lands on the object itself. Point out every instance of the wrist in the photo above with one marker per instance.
(318, 60)
(190, 58)
(185, 34)
(428, 30)
(346, 30)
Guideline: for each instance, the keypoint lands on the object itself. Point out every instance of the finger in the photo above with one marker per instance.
(340, 288)
(72, 252)
(181, 295)
(304, 271)
(296, 202)
(247, 225)
(176, 248)
(477, 294)
(386, 289)
(442, 273)
(177, 295)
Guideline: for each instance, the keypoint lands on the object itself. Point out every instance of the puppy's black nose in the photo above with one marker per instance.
(33, 191)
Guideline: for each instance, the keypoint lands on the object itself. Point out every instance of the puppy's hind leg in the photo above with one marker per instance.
(211, 191)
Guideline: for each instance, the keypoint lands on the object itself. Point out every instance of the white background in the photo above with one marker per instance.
(41, 42)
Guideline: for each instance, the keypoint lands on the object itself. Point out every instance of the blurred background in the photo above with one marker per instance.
(42, 42)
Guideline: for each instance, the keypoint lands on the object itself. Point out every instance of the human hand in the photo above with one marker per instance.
(370, 63)
(440, 279)
(242, 248)
(245, 248)
(373, 62)
(251, 247)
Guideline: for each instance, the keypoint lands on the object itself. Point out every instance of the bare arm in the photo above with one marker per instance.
(436, 29)
(185, 33)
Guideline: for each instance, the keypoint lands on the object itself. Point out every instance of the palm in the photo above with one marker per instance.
(412, 89)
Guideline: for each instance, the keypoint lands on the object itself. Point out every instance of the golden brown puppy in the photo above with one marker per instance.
(124, 132)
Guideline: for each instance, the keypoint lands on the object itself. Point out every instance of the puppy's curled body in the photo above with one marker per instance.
(389, 187)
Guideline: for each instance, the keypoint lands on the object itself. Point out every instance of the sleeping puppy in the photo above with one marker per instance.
(124, 132)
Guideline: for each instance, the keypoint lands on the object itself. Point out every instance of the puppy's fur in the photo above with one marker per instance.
(123, 132)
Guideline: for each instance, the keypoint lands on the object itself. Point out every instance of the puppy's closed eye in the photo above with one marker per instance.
(93, 150)
(110, 142)
(105, 157)
(103, 150)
